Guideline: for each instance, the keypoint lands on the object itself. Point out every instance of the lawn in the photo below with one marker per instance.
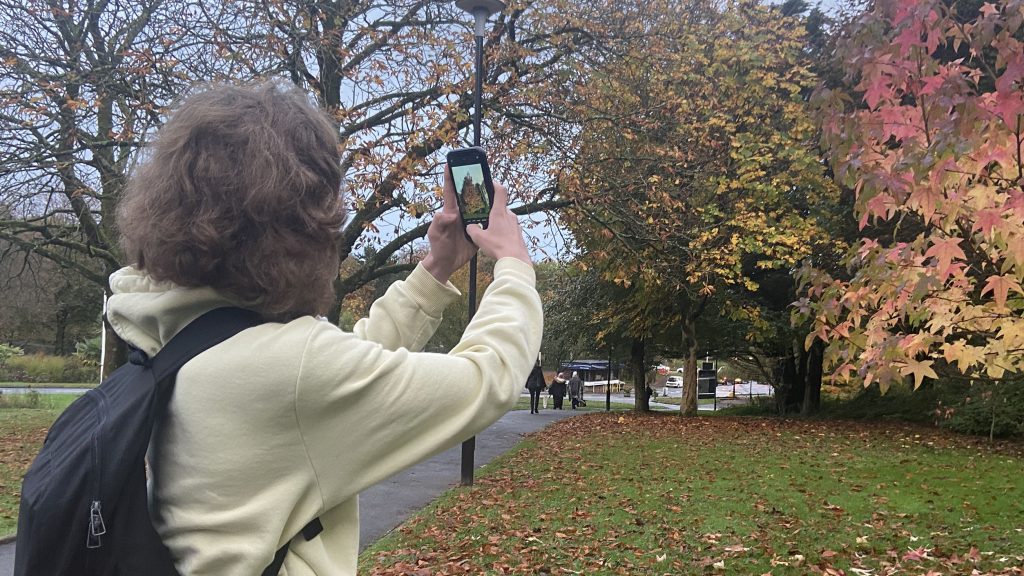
(30, 385)
(656, 494)
(24, 420)
(675, 400)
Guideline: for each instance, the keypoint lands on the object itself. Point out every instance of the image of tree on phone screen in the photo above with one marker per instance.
(469, 185)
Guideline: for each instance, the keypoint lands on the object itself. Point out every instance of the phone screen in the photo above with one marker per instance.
(472, 191)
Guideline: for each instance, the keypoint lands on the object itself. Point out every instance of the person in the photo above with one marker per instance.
(535, 384)
(575, 389)
(238, 203)
(557, 391)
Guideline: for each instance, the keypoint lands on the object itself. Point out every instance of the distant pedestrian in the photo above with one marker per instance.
(575, 390)
(557, 391)
(535, 384)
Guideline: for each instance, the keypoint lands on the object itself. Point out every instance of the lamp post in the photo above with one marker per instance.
(481, 11)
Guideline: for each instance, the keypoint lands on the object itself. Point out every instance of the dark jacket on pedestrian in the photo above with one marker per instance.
(557, 388)
(535, 381)
(575, 387)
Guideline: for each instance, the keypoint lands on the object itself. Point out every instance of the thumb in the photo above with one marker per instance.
(474, 231)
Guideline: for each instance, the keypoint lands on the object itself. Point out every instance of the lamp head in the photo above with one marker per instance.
(481, 10)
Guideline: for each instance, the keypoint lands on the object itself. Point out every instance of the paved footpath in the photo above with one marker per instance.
(387, 504)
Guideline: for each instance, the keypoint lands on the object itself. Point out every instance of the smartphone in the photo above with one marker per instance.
(473, 186)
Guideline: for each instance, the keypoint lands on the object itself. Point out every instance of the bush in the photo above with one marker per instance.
(993, 410)
(79, 370)
(901, 402)
(88, 351)
(45, 369)
(8, 351)
(39, 367)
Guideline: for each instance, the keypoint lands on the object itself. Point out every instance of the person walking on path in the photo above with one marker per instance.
(239, 202)
(575, 390)
(557, 391)
(535, 384)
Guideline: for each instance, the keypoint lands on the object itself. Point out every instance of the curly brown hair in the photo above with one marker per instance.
(241, 192)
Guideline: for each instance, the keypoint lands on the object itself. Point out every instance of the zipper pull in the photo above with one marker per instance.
(96, 526)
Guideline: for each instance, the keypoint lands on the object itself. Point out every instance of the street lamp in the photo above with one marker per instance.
(481, 11)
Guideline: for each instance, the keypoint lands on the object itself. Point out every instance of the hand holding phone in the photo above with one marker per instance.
(454, 234)
(503, 236)
(474, 189)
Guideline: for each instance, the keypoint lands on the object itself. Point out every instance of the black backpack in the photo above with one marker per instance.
(83, 501)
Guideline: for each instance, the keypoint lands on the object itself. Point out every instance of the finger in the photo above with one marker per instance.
(500, 198)
(450, 202)
(474, 231)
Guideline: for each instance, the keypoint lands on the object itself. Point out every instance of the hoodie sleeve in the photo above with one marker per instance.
(408, 313)
(366, 411)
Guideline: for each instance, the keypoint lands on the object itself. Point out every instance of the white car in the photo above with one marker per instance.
(674, 382)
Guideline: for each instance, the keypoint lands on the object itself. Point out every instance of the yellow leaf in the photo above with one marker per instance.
(919, 370)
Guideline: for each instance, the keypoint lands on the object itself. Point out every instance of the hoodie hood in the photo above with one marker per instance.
(147, 313)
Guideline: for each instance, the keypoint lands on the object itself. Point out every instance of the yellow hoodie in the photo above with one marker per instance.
(286, 422)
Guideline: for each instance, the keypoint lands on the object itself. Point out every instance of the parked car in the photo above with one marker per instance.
(674, 382)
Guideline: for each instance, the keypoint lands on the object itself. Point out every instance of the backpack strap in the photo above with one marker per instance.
(203, 333)
(309, 531)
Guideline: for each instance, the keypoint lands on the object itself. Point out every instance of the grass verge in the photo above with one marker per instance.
(30, 385)
(656, 494)
(676, 401)
(24, 420)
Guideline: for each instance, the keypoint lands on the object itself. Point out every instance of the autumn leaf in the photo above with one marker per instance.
(1000, 287)
(919, 370)
(945, 251)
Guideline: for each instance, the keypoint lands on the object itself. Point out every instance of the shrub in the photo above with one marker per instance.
(88, 351)
(42, 369)
(39, 367)
(8, 351)
(993, 410)
(901, 402)
(79, 370)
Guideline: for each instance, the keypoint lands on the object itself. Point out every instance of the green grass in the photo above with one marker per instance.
(23, 425)
(48, 384)
(36, 400)
(677, 401)
(638, 495)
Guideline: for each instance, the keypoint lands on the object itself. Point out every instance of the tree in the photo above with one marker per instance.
(935, 149)
(85, 83)
(397, 76)
(43, 308)
(696, 158)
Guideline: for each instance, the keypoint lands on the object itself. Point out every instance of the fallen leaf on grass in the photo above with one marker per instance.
(917, 555)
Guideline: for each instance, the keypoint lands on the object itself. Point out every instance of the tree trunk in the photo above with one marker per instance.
(781, 385)
(793, 378)
(812, 384)
(636, 358)
(688, 405)
(59, 346)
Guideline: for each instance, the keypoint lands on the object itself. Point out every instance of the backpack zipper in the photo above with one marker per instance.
(97, 527)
